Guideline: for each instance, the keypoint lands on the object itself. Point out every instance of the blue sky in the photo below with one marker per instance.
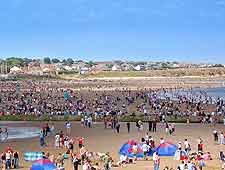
(183, 30)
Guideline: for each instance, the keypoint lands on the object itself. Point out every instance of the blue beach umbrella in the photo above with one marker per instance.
(43, 164)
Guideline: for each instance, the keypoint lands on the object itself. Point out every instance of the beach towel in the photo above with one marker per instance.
(33, 156)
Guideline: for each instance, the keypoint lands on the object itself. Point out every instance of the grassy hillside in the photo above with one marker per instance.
(206, 72)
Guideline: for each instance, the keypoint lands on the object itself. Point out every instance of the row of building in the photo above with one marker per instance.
(35, 68)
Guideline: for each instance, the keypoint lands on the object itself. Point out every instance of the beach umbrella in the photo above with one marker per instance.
(166, 149)
(127, 149)
(43, 164)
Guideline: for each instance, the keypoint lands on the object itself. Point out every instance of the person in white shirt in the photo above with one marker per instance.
(86, 166)
(86, 121)
(145, 149)
(156, 161)
(123, 159)
(68, 128)
(147, 137)
(8, 156)
(221, 138)
(186, 146)
(57, 140)
(182, 165)
(162, 141)
(89, 121)
(180, 145)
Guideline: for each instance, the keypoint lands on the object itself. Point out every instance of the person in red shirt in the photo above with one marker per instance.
(80, 142)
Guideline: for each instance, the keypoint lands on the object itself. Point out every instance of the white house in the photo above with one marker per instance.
(68, 68)
(15, 70)
(139, 68)
(84, 70)
(116, 68)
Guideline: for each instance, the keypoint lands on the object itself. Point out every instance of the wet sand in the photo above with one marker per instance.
(99, 139)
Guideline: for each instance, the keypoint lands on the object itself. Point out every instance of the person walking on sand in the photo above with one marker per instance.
(221, 138)
(57, 140)
(154, 126)
(128, 127)
(215, 135)
(42, 138)
(76, 161)
(89, 121)
(145, 148)
(149, 125)
(6, 134)
(137, 125)
(187, 146)
(118, 127)
(68, 128)
(156, 161)
(200, 145)
(140, 125)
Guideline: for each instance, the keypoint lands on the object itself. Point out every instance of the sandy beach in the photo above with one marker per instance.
(98, 139)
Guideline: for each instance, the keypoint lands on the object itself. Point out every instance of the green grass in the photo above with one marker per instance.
(126, 118)
(205, 72)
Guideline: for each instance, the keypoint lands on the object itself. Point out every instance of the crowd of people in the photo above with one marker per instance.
(9, 159)
(49, 98)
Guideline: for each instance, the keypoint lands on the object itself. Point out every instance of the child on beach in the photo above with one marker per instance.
(135, 150)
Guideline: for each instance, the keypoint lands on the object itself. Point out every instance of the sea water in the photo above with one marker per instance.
(215, 93)
(19, 132)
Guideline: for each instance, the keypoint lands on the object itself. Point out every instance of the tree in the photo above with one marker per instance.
(47, 60)
(218, 65)
(55, 60)
(109, 66)
(69, 61)
(27, 61)
(165, 65)
(14, 61)
(90, 63)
